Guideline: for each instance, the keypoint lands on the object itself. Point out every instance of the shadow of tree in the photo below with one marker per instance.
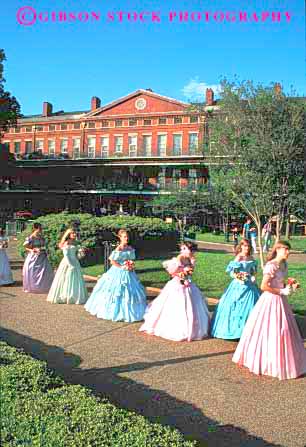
(154, 404)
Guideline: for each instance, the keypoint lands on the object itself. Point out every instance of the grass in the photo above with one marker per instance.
(209, 275)
(296, 242)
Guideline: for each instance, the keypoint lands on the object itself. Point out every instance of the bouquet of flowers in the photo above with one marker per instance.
(293, 284)
(185, 276)
(3, 244)
(129, 265)
(81, 252)
(241, 276)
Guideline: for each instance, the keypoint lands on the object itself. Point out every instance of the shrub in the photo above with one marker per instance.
(95, 230)
(68, 415)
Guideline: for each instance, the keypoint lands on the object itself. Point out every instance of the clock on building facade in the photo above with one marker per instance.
(140, 103)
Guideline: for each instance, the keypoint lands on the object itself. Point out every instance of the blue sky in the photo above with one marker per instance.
(68, 63)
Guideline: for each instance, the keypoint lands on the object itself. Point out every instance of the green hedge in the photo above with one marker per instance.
(38, 409)
(95, 230)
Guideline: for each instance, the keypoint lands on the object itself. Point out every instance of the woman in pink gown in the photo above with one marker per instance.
(180, 311)
(271, 343)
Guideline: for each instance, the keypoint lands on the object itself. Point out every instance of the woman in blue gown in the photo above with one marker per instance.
(119, 295)
(239, 298)
(6, 277)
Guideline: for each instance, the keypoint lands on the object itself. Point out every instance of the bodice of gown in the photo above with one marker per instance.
(249, 267)
(70, 255)
(35, 242)
(121, 256)
(276, 274)
(174, 266)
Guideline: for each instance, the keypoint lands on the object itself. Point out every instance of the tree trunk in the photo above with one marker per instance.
(259, 240)
(287, 236)
(277, 235)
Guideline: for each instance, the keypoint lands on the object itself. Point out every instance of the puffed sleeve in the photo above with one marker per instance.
(114, 256)
(232, 266)
(270, 269)
(28, 241)
(171, 266)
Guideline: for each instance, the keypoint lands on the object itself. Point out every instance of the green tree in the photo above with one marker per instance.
(257, 149)
(9, 106)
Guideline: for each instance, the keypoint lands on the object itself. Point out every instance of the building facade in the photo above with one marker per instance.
(116, 156)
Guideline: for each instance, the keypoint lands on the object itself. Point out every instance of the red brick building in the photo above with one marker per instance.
(123, 152)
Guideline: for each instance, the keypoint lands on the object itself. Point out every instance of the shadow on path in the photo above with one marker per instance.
(154, 404)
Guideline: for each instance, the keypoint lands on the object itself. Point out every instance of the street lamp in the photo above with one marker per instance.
(83, 127)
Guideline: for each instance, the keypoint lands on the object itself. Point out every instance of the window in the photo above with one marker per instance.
(193, 143)
(133, 146)
(64, 126)
(39, 128)
(161, 145)
(17, 129)
(177, 120)
(51, 127)
(118, 123)
(28, 147)
(147, 145)
(147, 122)
(76, 144)
(177, 144)
(39, 145)
(17, 147)
(104, 147)
(51, 148)
(105, 123)
(64, 146)
(162, 120)
(132, 122)
(193, 119)
(91, 145)
(77, 125)
(91, 125)
(118, 144)
(28, 129)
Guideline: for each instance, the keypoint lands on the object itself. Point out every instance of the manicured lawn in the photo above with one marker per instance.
(296, 242)
(209, 275)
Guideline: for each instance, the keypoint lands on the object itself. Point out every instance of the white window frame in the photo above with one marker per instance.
(64, 148)
(52, 151)
(147, 151)
(91, 147)
(132, 139)
(25, 146)
(104, 147)
(17, 141)
(179, 151)
(162, 152)
(76, 148)
(38, 145)
(191, 150)
(118, 147)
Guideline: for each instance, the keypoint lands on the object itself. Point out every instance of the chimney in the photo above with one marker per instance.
(277, 88)
(47, 109)
(95, 103)
(209, 97)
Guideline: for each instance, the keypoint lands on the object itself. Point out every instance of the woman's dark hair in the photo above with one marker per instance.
(2, 231)
(37, 225)
(192, 247)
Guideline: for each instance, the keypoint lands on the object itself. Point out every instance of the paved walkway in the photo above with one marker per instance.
(192, 386)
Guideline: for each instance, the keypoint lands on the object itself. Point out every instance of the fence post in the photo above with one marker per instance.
(107, 252)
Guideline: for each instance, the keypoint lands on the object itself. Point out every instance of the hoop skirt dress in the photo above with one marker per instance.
(118, 294)
(6, 276)
(68, 286)
(180, 311)
(37, 271)
(271, 343)
(236, 303)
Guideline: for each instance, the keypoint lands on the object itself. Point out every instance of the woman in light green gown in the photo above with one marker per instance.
(68, 286)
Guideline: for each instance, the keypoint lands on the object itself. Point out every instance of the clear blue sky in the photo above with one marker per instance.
(68, 63)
